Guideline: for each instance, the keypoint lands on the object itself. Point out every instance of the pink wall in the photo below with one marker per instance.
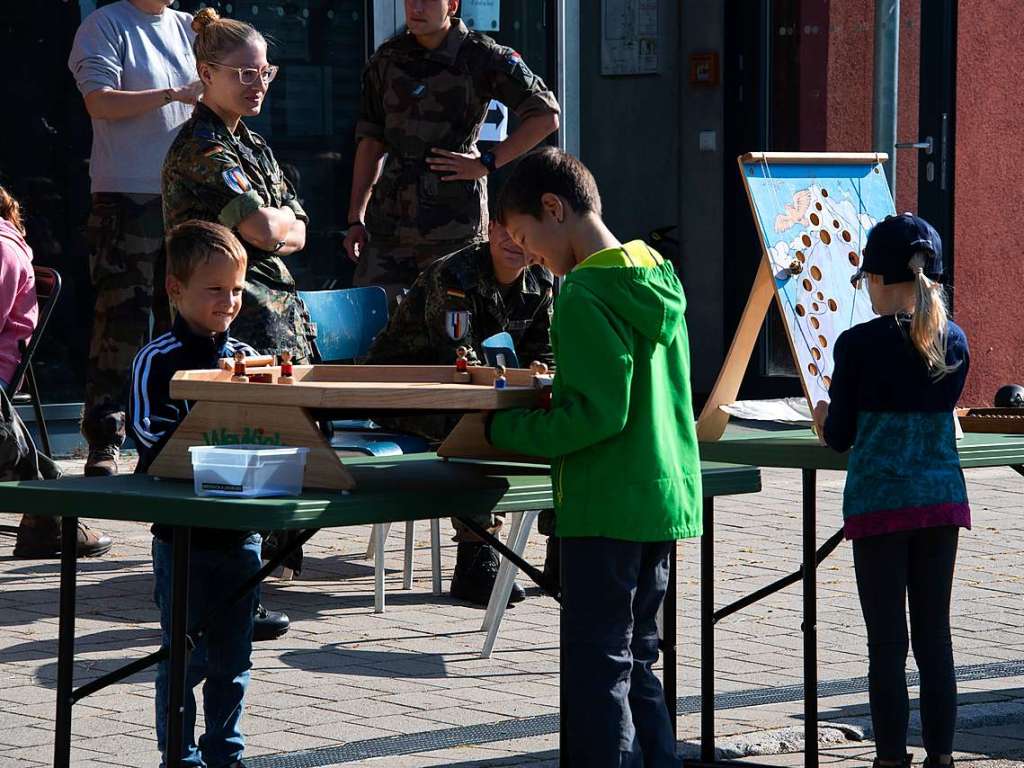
(989, 207)
(851, 75)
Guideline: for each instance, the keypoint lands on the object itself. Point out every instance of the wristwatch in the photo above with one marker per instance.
(488, 161)
(280, 244)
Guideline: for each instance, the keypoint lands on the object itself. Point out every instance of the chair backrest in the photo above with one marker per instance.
(499, 349)
(47, 292)
(346, 320)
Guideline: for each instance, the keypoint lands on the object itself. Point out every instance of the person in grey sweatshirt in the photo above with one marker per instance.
(133, 63)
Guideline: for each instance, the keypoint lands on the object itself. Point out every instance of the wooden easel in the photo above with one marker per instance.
(712, 421)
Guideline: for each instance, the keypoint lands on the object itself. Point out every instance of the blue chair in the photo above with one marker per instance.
(499, 349)
(347, 321)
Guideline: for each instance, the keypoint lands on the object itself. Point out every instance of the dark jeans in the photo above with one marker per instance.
(221, 658)
(890, 569)
(611, 592)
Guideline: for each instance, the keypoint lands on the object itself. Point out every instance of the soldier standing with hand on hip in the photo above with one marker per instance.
(132, 61)
(425, 96)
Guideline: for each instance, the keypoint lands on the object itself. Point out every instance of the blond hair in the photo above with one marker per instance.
(11, 210)
(194, 242)
(930, 325)
(217, 37)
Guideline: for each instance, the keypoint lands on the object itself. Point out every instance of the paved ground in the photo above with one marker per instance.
(408, 688)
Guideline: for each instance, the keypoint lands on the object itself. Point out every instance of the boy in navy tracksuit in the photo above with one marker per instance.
(205, 273)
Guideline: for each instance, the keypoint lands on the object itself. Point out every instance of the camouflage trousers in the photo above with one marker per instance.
(126, 265)
(492, 523)
(394, 265)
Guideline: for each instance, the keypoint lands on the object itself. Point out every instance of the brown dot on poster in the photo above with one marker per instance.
(820, 295)
(813, 369)
(824, 192)
(799, 308)
(806, 241)
(833, 304)
(847, 236)
(816, 353)
(814, 219)
(835, 223)
(854, 258)
(823, 341)
(827, 380)
(808, 285)
(818, 206)
(815, 323)
(815, 306)
(816, 272)
(800, 256)
(826, 238)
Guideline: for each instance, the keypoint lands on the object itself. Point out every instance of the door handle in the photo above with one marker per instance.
(927, 144)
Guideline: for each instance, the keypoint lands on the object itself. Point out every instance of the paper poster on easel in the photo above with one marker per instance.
(813, 213)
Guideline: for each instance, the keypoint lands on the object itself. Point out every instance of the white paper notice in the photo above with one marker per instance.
(482, 15)
(629, 40)
(790, 410)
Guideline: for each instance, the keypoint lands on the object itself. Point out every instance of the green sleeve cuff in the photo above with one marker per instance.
(241, 207)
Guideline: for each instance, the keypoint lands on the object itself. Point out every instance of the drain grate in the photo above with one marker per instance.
(543, 725)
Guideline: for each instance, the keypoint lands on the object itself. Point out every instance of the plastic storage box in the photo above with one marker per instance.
(248, 470)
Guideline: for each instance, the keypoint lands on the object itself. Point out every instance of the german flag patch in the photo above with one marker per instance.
(456, 293)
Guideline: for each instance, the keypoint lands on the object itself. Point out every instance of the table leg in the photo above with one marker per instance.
(66, 642)
(707, 634)
(810, 624)
(563, 708)
(668, 640)
(179, 650)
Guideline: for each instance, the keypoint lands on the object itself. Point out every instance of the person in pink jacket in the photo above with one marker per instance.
(38, 536)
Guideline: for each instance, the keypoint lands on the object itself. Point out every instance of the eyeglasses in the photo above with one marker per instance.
(248, 75)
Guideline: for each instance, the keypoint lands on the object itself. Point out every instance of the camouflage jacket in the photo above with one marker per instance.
(415, 99)
(456, 302)
(214, 175)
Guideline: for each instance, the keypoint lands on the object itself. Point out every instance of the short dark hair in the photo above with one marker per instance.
(549, 170)
(193, 242)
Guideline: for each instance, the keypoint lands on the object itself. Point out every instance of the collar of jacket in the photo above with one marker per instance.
(199, 347)
(218, 127)
(447, 50)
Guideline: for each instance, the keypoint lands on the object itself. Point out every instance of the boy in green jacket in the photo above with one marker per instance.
(625, 465)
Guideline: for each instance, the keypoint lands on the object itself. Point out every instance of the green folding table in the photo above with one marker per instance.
(799, 449)
(388, 490)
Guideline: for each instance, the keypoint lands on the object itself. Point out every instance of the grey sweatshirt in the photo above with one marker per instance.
(121, 48)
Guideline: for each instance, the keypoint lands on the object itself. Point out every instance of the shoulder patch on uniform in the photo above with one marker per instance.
(236, 180)
(456, 323)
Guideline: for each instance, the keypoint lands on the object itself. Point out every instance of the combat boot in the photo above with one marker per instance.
(476, 569)
(39, 538)
(106, 435)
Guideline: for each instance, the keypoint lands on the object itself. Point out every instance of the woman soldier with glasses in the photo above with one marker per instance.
(217, 170)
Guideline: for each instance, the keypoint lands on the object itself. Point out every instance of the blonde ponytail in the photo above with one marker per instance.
(928, 329)
(11, 211)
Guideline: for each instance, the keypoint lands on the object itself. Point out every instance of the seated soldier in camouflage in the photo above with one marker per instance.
(458, 301)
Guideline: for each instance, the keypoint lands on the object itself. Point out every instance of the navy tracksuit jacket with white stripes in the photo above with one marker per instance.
(152, 414)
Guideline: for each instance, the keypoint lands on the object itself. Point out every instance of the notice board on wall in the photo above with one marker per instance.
(629, 37)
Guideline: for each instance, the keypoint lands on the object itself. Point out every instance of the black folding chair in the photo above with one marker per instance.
(47, 291)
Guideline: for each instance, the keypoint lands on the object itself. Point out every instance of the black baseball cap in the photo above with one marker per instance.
(891, 244)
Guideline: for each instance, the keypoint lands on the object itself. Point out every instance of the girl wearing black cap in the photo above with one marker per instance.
(896, 381)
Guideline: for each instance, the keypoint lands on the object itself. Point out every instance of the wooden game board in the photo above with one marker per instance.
(228, 412)
(992, 420)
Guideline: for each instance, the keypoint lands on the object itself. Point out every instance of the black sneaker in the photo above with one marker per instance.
(930, 763)
(268, 625)
(475, 572)
(908, 760)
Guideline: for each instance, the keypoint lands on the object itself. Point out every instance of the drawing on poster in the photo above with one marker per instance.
(813, 220)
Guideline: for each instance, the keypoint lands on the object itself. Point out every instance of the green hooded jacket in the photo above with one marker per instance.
(620, 430)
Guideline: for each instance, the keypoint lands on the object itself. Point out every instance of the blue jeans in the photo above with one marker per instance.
(611, 592)
(221, 658)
